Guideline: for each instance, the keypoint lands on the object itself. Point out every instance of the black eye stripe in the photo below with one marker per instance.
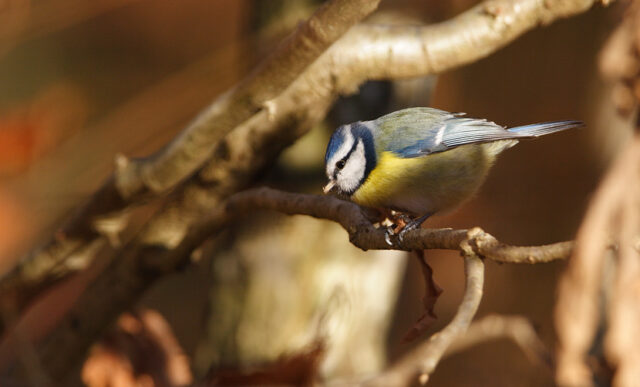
(353, 147)
(344, 159)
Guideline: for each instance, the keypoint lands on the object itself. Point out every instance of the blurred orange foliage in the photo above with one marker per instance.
(31, 129)
(15, 225)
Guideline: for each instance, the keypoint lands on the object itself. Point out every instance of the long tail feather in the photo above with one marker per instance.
(537, 130)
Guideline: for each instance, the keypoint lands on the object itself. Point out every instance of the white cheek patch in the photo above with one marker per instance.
(350, 177)
(342, 151)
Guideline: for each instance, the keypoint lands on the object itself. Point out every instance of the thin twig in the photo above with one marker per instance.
(423, 360)
(516, 328)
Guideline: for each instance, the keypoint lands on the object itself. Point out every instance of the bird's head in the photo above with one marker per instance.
(349, 159)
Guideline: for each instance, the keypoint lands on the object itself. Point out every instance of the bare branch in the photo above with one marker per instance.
(599, 289)
(577, 312)
(366, 52)
(424, 359)
(134, 180)
(392, 52)
(623, 333)
(138, 267)
(166, 242)
(362, 233)
(195, 144)
(516, 328)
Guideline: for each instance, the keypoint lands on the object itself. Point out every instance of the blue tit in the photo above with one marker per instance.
(420, 161)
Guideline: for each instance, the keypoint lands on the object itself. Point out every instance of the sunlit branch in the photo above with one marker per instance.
(137, 268)
(276, 120)
(366, 52)
(363, 234)
(137, 179)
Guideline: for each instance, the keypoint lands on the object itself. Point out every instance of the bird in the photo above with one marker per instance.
(419, 161)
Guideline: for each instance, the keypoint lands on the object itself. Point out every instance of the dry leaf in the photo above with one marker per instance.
(432, 292)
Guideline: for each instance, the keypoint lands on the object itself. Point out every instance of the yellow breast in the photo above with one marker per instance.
(386, 179)
(426, 184)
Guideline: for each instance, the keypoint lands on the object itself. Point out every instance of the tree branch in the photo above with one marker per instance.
(135, 180)
(365, 52)
(357, 221)
(516, 328)
(125, 278)
(399, 51)
(166, 242)
(424, 359)
(578, 309)
(194, 145)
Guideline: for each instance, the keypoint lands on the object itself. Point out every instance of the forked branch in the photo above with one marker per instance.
(124, 279)
(284, 97)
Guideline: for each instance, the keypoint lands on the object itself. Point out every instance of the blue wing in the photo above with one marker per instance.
(418, 132)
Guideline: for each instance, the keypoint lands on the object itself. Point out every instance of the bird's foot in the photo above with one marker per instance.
(394, 222)
(412, 225)
(402, 224)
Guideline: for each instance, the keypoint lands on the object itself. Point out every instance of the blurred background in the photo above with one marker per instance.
(82, 81)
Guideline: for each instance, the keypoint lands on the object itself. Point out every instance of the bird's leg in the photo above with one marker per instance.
(400, 221)
(412, 225)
